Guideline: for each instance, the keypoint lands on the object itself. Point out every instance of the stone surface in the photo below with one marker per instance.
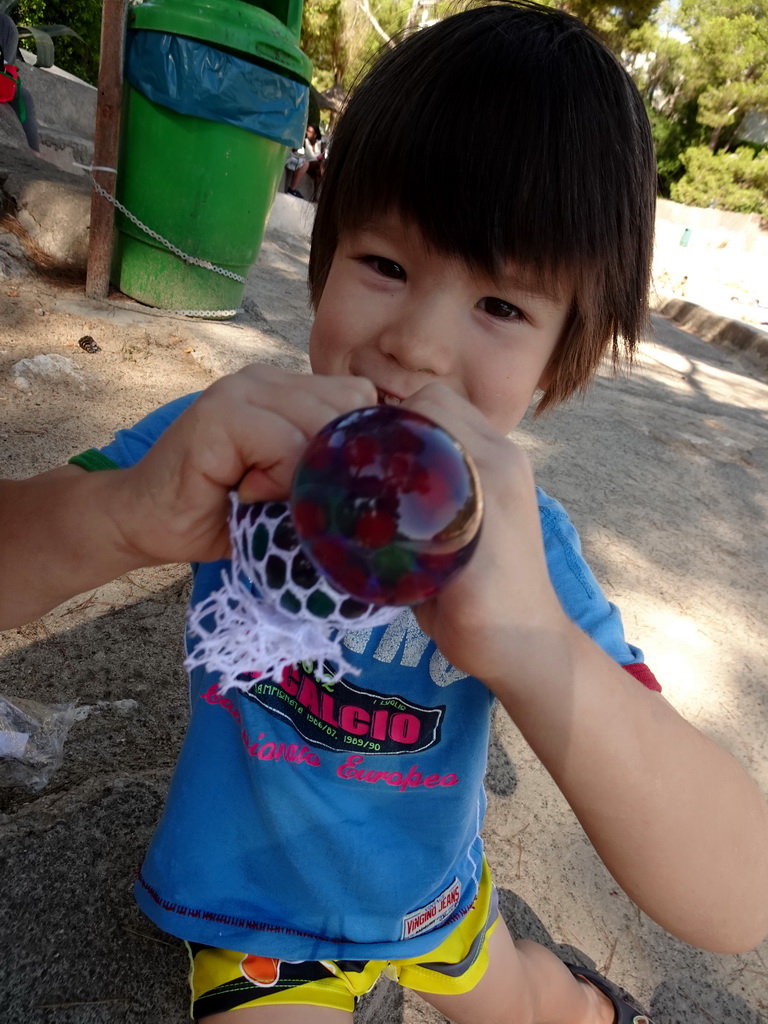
(51, 205)
(65, 108)
(46, 368)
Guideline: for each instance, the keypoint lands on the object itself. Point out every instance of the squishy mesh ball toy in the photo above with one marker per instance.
(386, 504)
(385, 509)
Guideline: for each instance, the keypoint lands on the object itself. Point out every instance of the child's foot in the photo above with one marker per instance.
(626, 1011)
(294, 192)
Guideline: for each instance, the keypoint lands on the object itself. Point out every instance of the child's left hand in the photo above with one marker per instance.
(644, 783)
(502, 607)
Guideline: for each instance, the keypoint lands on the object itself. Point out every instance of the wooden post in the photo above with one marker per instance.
(106, 145)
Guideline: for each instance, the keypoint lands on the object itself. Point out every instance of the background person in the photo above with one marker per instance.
(307, 160)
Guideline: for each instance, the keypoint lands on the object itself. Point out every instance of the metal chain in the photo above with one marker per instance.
(205, 264)
(204, 314)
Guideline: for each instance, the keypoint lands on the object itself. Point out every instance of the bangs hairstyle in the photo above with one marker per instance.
(507, 133)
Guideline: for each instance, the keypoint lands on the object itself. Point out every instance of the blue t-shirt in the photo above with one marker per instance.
(311, 820)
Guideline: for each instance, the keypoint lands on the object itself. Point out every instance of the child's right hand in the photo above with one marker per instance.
(68, 530)
(247, 431)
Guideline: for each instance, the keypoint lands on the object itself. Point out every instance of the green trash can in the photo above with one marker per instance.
(215, 94)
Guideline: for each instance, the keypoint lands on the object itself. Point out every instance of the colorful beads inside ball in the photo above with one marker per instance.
(387, 505)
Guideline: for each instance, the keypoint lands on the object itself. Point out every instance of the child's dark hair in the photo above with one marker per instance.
(508, 133)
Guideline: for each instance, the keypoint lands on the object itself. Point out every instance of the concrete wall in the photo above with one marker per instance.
(711, 229)
(66, 113)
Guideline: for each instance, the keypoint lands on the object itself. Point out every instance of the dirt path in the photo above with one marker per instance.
(665, 476)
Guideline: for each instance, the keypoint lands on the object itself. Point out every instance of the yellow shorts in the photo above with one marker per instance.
(223, 980)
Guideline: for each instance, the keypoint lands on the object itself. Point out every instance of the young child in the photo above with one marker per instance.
(318, 834)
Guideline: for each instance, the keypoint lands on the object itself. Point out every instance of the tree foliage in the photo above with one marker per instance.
(617, 23)
(727, 63)
(341, 36)
(729, 181)
(323, 39)
(79, 58)
(702, 69)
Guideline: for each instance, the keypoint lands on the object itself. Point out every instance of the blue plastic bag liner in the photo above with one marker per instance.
(193, 78)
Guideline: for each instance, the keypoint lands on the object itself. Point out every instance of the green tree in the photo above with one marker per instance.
(701, 67)
(673, 134)
(80, 58)
(617, 23)
(341, 36)
(658, 67)
(324, 40)
(729, 181)
(727, 61)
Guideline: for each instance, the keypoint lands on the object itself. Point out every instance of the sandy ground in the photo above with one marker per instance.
(665, 476)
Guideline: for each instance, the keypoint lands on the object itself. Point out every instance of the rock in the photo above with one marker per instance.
(52, 367)
(13, 259)
(51, 205)
(56, 216)
(11, 133)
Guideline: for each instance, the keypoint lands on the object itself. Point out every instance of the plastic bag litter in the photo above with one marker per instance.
(32, 739)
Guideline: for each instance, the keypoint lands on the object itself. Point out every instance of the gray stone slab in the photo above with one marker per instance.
(61, 101)
(52, 205)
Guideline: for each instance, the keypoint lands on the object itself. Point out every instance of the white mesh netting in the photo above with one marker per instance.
(274, 609)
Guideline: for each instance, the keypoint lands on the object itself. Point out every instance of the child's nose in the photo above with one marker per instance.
(422, 341)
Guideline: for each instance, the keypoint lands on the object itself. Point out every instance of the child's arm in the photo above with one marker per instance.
(68, 530)
(676, 820)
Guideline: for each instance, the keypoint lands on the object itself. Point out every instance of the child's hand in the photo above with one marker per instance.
(67, 531)
(499, 610)
(644, 783)
(247, 431)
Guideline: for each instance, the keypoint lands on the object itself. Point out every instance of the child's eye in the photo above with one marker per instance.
(385, 267)
(501, 309)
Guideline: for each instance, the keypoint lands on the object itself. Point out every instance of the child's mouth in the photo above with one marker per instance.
(385, 398)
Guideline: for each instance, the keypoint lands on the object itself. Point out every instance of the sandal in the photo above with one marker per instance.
(627, 1010)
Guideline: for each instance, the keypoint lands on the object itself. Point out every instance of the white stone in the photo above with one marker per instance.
(52, 367)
